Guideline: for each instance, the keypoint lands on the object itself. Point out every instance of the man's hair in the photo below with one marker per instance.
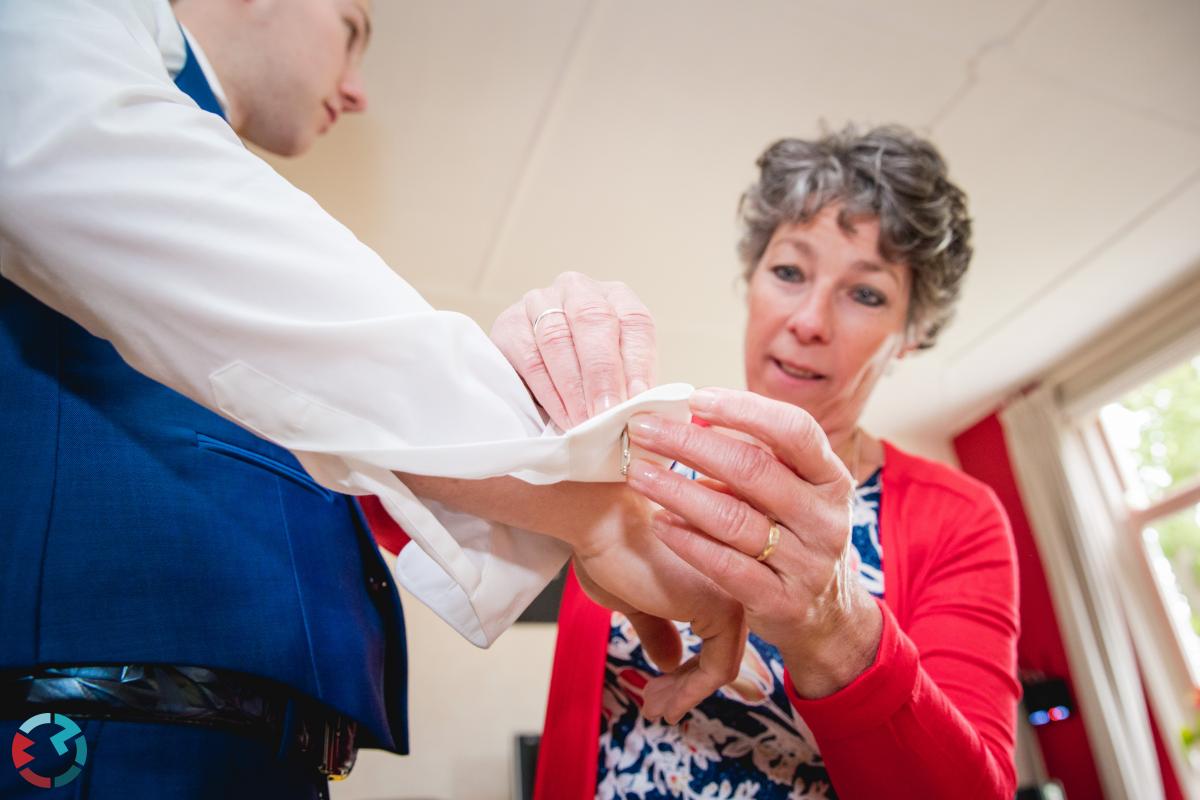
(888, 173)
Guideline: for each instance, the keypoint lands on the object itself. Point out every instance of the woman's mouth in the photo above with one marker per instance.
(797, 372)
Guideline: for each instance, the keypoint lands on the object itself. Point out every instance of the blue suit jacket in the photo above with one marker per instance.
(137, 526)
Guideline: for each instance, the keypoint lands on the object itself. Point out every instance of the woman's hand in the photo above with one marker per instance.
(803, 597)
(580, 345)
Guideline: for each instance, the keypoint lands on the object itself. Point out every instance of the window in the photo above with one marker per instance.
(1107, 453)
(1152, 437)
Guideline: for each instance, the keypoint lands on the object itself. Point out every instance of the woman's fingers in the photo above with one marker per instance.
(639, 341)
(742, 577)
(551, 330)
(725, 516)
(788, 430)
(748, 471)
(512, 333)
(596, 330)
(580, 345)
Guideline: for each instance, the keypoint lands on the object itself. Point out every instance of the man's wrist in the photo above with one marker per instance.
(590, 517)
(622, 513)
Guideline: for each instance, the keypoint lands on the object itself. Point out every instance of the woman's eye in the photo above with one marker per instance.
(788, 274)
(351, 34)
(868, 296)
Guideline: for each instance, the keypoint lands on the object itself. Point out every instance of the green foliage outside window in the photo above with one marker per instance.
(1168, 414)
(1167, 455)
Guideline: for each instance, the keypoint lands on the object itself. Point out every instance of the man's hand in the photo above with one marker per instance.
(580, 345)
(622, 565)
(659, 637)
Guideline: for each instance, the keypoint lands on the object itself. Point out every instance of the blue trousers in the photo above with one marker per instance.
(133, 760)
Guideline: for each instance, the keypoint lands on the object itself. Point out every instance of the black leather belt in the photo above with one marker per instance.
(316, 734)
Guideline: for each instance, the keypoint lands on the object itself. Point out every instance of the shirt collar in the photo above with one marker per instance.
(169, 37)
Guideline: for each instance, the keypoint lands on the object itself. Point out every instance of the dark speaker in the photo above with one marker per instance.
(1046, 700)
(1046, 791)
(525, 753)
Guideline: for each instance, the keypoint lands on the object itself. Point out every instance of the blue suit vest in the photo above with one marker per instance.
(138, 527)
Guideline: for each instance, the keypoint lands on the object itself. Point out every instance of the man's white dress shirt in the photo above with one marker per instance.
(141, 217)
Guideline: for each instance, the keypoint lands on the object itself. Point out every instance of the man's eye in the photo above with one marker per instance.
(869, 297)
(788, 274)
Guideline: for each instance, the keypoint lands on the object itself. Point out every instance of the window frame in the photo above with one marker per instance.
(1148, 341)
(1131, 521)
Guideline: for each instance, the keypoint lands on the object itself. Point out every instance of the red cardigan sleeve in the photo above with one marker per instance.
(388, 533)
(935, 715)
(566, 766)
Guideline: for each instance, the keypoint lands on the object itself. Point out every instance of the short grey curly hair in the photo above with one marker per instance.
(888, 173)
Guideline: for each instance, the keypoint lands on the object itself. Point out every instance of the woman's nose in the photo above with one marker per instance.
(812, 320)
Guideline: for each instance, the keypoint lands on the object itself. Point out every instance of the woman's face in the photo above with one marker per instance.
(827, 314)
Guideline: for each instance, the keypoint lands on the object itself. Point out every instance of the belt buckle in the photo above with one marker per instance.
(338, 753)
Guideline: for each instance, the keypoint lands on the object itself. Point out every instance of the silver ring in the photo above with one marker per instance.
(544, 314)
(625, 455)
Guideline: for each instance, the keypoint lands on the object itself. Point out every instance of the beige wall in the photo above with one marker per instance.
(507, 142)
(465, 707)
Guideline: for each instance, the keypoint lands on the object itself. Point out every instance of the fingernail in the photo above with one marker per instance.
(703, 400)
(643, 471)
(605, 402)
(637, 386)
(644, 425)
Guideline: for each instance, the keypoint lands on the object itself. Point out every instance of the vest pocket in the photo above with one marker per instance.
(205, 442)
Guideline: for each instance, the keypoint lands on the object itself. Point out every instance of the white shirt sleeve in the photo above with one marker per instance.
(144, 219)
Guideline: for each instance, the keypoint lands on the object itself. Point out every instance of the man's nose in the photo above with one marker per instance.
(353, 91)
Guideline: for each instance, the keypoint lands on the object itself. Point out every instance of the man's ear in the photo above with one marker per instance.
(260, 7)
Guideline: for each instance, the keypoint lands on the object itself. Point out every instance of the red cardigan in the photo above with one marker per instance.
(933, 717)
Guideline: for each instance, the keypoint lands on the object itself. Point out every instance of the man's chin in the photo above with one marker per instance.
(288, 144)
(297, 146)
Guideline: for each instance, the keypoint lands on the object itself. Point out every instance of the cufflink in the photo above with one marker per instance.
(625, 456)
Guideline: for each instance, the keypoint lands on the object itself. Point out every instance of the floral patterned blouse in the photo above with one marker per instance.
(745, 741)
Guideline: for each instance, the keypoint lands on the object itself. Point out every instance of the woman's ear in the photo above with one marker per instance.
(912, 341)
(906, 346)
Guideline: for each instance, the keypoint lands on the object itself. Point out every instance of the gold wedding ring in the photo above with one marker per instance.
(625, 455)
(772, 541)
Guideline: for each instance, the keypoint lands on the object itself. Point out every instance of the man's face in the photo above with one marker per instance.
(306, 73)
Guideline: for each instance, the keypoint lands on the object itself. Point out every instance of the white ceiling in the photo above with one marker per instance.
(507, 142)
